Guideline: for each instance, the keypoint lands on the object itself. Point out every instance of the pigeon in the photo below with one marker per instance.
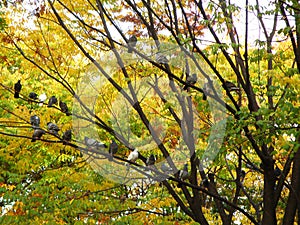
(64, 108)
(67, 136)
(190, 80)
(133, 156)
(161, 59)
(52, 101)
(37, 134)
(230, 86)
(53, 128)
(184, 174)
(92, 143)
(131, 43)
(35, 121)
(206, 89)
(113, 148)
(33, 95)
(42, 98)
(151, 160)
(205, 183)
(17, 87)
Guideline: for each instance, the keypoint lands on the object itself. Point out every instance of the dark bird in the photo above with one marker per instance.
(230, 86)
(151, 160)
(161, 59)
(52, 101)
(92, 143)
(64, 108)
(33, 95)
(113, 148)
(205, 183)
(190, 80)
(67, 136)
(35, 121)
(277, 172)
(184, 173)
(17, 87)
(131, 43)
(37, 134)
(53, 128)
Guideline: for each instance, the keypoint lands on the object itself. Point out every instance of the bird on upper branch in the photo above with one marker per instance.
(17, 88)
(132, 41)
(190, 80)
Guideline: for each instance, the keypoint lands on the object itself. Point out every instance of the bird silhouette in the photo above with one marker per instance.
(160, 58)
(205, 183)
(132, 41)
(190, 80)
(183, 174)
(37, 134)
(52, 101)
(67, 136)
(113, 148)
(35, 121)
(53, 128)
(17, 88)
(93, 144)
(64, 108)
(33, 95)
(230, 86)
(150, 160)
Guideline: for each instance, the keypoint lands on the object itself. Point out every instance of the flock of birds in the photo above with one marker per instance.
(94, 144)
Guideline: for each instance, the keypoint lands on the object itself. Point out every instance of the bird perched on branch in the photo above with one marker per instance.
(113, 148)
(67, 136)
(92, 143)
(53, 128)
(42, 99)
(207, 88)
(64, 108)
(37, 134)
(35, 121)
(52, 101)
(190, 80)
(33, 95)
(230, 86)
(160, 58)
(150, 160)
(205, 183)
(17, 88)
(133, 156)
(132, 41)
(184, 173)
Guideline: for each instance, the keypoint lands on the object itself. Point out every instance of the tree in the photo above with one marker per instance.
(236, 126)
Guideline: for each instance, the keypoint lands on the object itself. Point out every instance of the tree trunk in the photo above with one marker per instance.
(293, 200)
